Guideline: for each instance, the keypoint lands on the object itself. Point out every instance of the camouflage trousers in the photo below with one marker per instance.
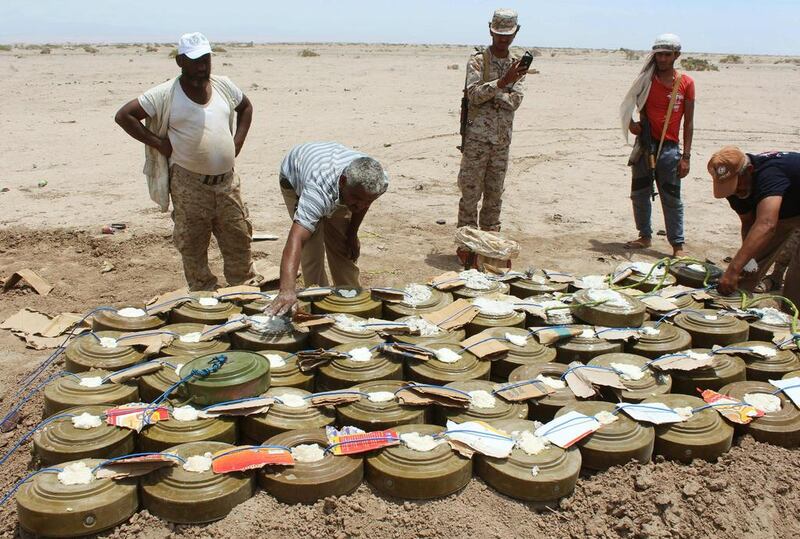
(482, 174)
(200, 210)
(779, 246)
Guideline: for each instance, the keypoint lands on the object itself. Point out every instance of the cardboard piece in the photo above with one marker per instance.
(392, 295)
(657, 413)
(601, 377)
(243, 458)
(271, 275)
(30, 278)
(547, 335)
(314, 294)
(681, 362)
(235, 323)
(461, 448)
(407, 351)
(784, 341)
(484, 346)
(131, 416)
(671, 292)
(308, 360)
(135, 372)
(241, 292)
(153, 342)
(30, 322)
(453, 316)
(302, 319)
(481, 437)
(566, 430)
(790, 387)
(167, 301)
(416, 394)
(658, 303)
(353, 444)
(335, 398)
(731, 409)
(523, 391)
(617, 334)
(447, 281)
(134, 466)
(579, 386)
(559, 277)
(701, 295)
(258, 405)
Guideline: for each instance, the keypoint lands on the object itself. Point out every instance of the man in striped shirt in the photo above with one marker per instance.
(328, 189)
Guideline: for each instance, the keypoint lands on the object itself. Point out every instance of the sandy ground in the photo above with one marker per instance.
(566, 204)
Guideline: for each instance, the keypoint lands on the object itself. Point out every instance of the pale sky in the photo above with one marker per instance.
(735, 26)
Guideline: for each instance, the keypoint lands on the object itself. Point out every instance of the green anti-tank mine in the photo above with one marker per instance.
(484, 406)
(100, 350)
(418, 472)
(765, 367)
(61, 441)
(612, 309)
(311, 480)
(528, 353)
(153, 385)
(187, 343)
(705, 435)
(695, 275)
(48, 508)
(241, 375)
(347, 329)
(351, 301)
(284, 371)
(525, 288)
(432, 334)
(204, 309)
(494, 287)
(437, 372)
(165, 434)
(126, 319)
(83, 390)
(292, 410)
(380, 409)
(270, 333)
(708, 328)
(487, 318)
(659, 340)
(362, 365)
(778, 427)
(724, 370)
(542, 478)
(392, 310)
(545, 408)
(650, 383)
(194, 497)
(584, 347)
(615, 443)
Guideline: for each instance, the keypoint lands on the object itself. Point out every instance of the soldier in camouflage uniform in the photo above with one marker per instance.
(494, 89)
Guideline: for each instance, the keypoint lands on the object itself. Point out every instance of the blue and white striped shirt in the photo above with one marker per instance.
(313, 169)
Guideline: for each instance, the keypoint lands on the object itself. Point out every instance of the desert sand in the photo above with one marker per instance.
(566, 203)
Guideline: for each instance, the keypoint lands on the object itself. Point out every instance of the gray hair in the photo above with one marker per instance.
(367, 173)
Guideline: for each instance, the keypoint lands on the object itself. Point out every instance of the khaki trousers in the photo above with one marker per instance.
(791, 287)
(329, 239)
(200, 210)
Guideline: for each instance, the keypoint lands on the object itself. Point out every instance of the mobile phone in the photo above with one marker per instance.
(526, 59)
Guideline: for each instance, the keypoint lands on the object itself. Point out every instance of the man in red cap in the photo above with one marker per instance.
(764, 190)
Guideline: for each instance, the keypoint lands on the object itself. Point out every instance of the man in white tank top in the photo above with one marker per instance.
(190, 122)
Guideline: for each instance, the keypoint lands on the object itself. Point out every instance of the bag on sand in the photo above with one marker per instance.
(488, 247)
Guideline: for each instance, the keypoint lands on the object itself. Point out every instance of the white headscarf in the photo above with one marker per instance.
(636, 97)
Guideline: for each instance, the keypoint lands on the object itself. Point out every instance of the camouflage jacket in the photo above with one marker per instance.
(491, 109)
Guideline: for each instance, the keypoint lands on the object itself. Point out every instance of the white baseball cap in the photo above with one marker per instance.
(194, 45)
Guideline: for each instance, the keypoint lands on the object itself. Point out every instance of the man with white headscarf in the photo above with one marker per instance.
(661, 96)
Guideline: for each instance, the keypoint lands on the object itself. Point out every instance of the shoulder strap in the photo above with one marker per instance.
(672, 98)
(485, 74)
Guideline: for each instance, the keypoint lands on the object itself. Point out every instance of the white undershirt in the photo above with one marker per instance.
(200, 134)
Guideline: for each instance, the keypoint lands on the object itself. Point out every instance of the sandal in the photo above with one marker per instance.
(767, 284)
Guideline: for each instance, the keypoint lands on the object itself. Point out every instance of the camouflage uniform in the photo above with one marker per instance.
(484, 157)
(200, 210)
